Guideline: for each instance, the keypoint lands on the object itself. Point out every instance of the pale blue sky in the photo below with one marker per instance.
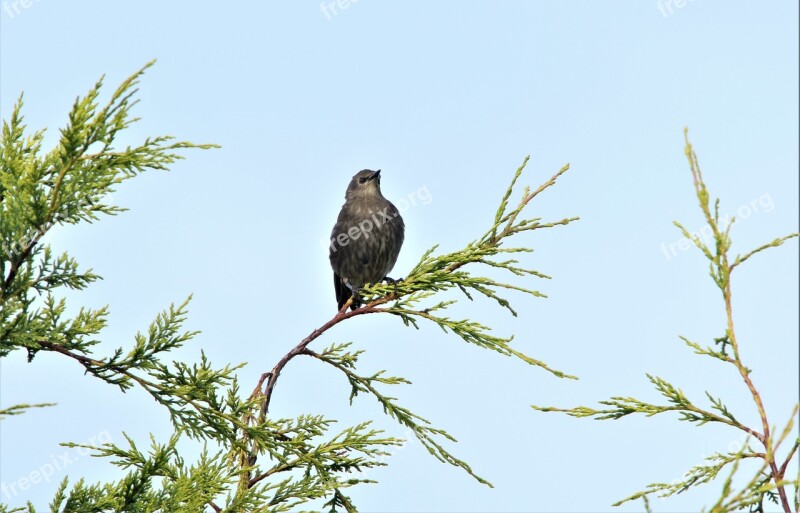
(446, 97)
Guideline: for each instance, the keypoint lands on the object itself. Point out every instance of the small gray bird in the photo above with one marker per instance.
(366, 238)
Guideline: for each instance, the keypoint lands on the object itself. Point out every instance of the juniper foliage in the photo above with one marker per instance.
(770, 482)
(250, 459)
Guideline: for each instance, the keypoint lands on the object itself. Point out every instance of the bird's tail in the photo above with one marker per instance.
(343, 293)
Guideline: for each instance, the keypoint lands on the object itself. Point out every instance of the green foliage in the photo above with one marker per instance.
(424, 432)
(19, 409)
(64, 186)
(770, 482)
(435, 274)
(249, 459)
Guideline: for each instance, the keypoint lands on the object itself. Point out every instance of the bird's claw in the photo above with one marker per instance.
(393, 282)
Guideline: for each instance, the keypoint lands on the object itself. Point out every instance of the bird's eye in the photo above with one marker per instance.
(363, 179)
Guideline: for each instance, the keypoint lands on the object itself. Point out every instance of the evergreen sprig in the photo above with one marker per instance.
(762, 486)
(435, 274)
(770, 481)
(248, 460)
(19, 409)
(421, 427)
(64, 186)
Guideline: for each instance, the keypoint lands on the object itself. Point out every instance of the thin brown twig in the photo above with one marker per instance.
(789, 457)
(777, 476)
(272, 376)
(724, 267)
(272, 471)
(16, 264)
(149, 386)
(85, 360)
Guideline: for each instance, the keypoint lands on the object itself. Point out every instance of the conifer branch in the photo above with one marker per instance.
(19, 409)
(435, 274)
(770, 482)
(431, 275)
(301, 459)
(345, 362)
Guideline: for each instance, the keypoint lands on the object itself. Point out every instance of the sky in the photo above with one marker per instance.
(447, 98)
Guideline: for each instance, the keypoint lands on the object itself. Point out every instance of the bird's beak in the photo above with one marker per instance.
(375, 175)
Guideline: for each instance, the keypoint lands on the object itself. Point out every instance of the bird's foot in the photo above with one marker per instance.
(393, 282)
(355, 300)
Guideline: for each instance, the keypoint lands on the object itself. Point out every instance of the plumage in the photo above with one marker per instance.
(366, 238)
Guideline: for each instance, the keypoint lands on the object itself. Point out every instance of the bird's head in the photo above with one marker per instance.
(365, 183)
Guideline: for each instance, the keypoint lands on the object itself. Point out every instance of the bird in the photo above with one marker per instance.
(366, 238)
